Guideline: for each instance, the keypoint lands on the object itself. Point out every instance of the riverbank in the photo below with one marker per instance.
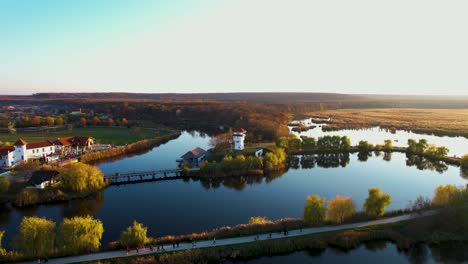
(137, 147)
(395, 229)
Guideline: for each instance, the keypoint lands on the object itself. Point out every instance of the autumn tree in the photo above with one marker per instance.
(4, 184)
(27, 196)
(376, 202)
(110, 121)
(345, 143)
(222, 141)
(96, 120)
(59, 121)
(388, 145)
(81, 177)
(124, 122)
(50, 121)
(340, 208)
(445, 195)
(364, 146)
(83, 121)
(36, 237)
(80, 235)
(35, 121)
(314, 210)
(134, 235)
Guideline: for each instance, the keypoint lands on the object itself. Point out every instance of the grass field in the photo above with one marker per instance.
(451, 122)
(105, 135)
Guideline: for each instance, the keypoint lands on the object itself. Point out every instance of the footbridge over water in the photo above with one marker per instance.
(146, 176)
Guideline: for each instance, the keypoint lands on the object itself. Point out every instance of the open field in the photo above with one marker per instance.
(105, 135)
(450, 122)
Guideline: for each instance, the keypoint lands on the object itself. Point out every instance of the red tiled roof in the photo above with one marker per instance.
(20, 142)
(78, 140)
(6, 149)
(240, 130)
(63, 141)
(35, 145)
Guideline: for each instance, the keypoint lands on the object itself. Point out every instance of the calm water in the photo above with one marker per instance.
(375, 252)
(457, 145)
(178, 207)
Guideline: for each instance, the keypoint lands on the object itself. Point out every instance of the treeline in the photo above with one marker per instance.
(275, 159)
(325, 143)
(142, 145)
(60, 120)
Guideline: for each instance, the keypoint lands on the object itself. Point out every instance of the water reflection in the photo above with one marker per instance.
(422, 163)
(82, 207)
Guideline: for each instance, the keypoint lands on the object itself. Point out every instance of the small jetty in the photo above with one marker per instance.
(144, 176)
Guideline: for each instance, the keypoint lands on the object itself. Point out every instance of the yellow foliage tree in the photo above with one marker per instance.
(340, 208)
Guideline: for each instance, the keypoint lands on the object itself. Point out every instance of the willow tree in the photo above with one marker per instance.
(340, 208)
(81, 177)
(376, 202)
(80, 234)
(446, 195)
(36, 237)
(134, 235)
(2, 250)
(314, 210)
(4, 184)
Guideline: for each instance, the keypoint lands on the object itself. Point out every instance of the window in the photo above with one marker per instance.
(50, 148)
(43, 150)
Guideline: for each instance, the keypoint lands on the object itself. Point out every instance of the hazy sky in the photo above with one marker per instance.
(158, 46)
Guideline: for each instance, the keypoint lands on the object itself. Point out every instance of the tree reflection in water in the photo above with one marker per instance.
(82, 207)
(422, 163)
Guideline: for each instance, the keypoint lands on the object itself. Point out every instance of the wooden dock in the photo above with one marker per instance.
(144, 176)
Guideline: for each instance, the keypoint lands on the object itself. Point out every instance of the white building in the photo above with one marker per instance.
(23, 150)
(239, 137)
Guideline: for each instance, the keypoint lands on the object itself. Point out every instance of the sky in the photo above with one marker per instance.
(198, 46)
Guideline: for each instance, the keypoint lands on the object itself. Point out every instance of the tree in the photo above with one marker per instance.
(59, 121)
(96, 120)
(314, 210)
(446, 195)
(50, 121)
(80, 234)
(134, 235)
(340, 208)
(83, 121)
(36, 120)
(221, 141)
(2, 250)
(27, 196)
(36, 237)
(464, 161)
(376, 202)
(124, 122)
(388, 145)
(364, 146)
(345, 143)
(81, 177)
(110, 121)
(4, 184)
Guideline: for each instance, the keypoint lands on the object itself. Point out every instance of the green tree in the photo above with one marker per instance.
(364, 146)
(340, 208)
(81, 177)
(464, 161)
(411, 146)
(446, 195)
(314, 210)
(134, 235)
(80, 235)
(4, 184)
(36, 237)
(376, 202)
(388, 145)
(345, 143)
(27, 197)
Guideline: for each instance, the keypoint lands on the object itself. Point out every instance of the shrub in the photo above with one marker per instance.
(314, 210)
(259, 220)
(376, 202)
(2, 250)
(364, 146)
(340, 208)
(388, 145)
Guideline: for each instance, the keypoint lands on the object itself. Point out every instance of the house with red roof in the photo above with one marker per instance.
(239, 135)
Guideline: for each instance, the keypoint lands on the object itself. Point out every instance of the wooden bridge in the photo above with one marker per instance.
(145, 176)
